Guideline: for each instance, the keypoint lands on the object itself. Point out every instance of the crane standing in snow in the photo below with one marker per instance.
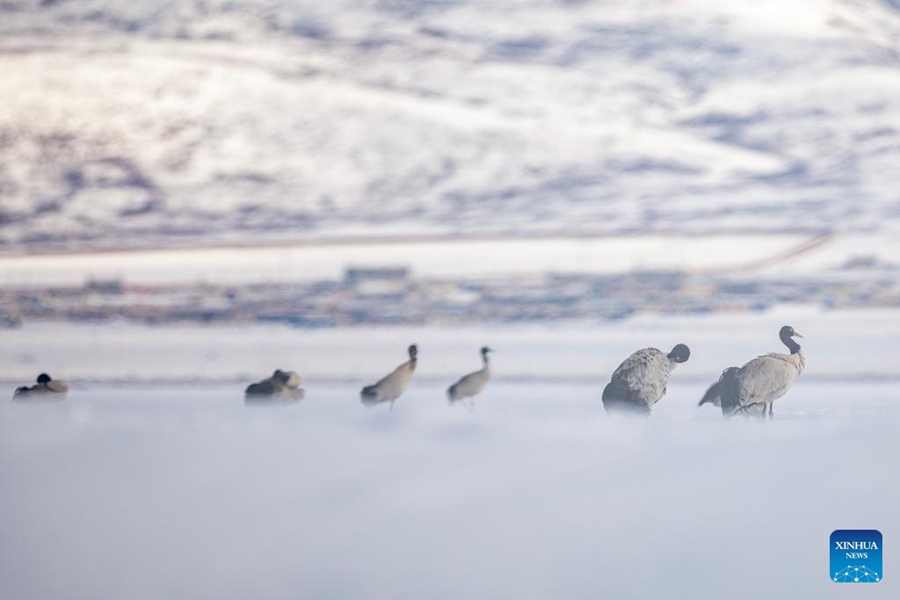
(391, 386)
(763, 380)
(472, 384)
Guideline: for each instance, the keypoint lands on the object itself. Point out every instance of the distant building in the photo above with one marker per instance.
(861, 262)
(104, 286)
(354, 275)
(662, 280)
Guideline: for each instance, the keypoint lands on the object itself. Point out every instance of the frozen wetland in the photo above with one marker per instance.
(186, 492)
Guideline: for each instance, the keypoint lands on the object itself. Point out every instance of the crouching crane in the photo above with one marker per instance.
(641, 380)
(284, 385)
(46, 387)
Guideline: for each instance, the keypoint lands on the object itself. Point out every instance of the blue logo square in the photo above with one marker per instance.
(856, 556)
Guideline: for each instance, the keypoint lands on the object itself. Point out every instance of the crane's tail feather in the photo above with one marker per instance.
(711, 395)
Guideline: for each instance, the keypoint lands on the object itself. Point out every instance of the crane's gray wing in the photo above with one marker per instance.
(466, 380)
(618, 398)
(642, 377)
(765, 378)
(398, 372)
(470, 385)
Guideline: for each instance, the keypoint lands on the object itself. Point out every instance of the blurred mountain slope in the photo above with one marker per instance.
(148, 123)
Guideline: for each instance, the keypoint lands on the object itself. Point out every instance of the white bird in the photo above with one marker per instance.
(46, 387)
(282, 384)
(641, 380)
(765, 379)
(472, 384)
(391, 386)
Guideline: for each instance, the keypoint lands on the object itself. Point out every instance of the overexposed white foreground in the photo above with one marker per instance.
(163, 492)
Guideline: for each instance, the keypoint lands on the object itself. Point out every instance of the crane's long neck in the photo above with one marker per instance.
(793, 346)
(486, 363)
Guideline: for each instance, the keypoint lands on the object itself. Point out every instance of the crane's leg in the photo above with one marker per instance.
(771, 414)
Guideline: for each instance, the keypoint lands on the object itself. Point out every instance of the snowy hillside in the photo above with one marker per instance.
(144, 123)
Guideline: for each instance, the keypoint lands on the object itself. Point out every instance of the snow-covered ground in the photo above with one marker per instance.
(838, 344)
(436, 258)
(174, 492)
(126, 123)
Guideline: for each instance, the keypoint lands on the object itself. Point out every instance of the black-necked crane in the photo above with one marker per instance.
(282, 384)
(765, 379)
(46, 387)
(472, 384)
(391, 386)
(641, 380)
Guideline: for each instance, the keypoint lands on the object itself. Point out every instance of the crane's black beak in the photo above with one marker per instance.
(797, 334)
